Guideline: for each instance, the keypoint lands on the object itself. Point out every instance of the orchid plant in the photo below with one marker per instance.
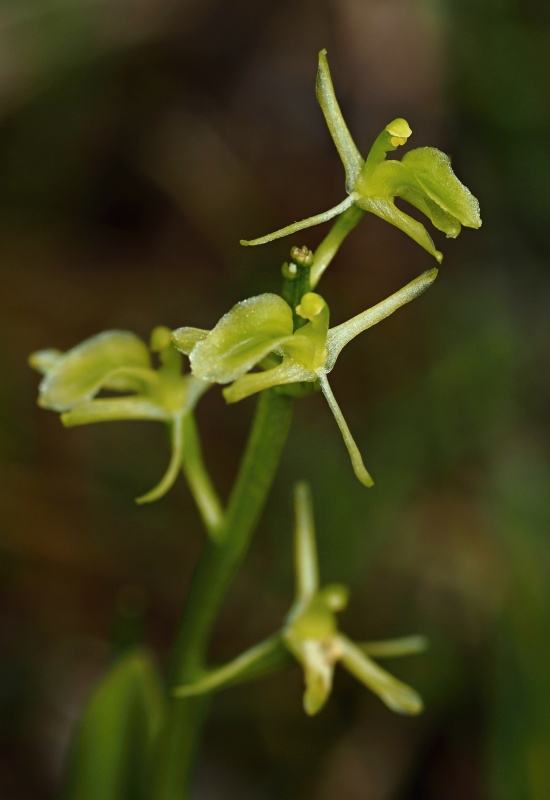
(281, 348)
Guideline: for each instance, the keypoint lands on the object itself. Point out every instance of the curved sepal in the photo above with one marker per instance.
(174, 465)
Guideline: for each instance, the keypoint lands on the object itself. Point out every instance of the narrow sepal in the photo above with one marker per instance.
(339, 336)
(174, 465)
(395, 694)
(356, 459)
(198, 479)
(262, 659)
(347, 150)
(309, 222)
(395, 648)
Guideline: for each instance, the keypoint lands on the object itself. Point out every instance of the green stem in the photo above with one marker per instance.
(215, 571)
(328, 248)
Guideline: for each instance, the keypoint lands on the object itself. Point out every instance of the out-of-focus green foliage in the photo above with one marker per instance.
(112, 750)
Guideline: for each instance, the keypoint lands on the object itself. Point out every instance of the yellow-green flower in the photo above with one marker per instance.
(119, 363)
(259, 331)
(312, 637)
(423, 178)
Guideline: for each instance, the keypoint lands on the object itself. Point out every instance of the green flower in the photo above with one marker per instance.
(311, 632)
(119, 363)
(423, 178)
(312, 637)
(259, 331)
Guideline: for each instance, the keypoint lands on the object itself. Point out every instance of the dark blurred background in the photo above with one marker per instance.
(139, 140)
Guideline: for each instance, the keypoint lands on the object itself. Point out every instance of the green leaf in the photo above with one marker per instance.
(113, 748)
(81, 372)
(246, 334)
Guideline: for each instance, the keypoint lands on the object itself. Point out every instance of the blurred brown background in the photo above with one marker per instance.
(139, 140)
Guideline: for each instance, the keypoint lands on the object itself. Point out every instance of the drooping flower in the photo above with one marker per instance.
(259, 331)
(119, 363)
(311, 635)
(423, 178)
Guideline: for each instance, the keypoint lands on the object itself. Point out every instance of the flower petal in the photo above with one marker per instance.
(317, 659)
(388, 211)
(433, 174)
(287, 372)
(81, 372)
(185, 339)
(395, 694)
(246, 334)
(439, 218)
(111, 409)
(45, 360)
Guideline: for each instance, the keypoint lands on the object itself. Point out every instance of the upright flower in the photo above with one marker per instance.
(259, 331)
(312, 637)
(423, 178)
